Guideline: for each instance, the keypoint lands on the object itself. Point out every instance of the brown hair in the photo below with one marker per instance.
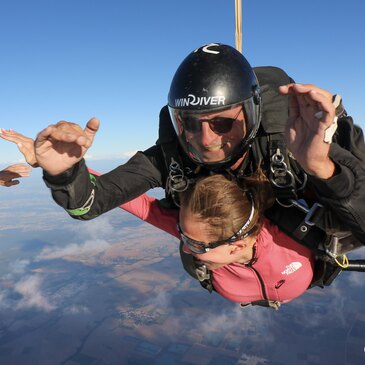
(225, 204)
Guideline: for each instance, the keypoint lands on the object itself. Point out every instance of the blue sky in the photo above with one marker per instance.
(115, 59)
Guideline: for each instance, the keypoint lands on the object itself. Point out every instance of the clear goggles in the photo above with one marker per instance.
(199, 247)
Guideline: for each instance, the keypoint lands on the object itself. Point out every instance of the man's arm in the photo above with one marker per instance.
(149, 210)
(59, 151)
(86, 196)
(334, 159)
(344, 193)
(61, 147)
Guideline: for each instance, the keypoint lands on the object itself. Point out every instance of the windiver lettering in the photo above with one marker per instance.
(200, 100)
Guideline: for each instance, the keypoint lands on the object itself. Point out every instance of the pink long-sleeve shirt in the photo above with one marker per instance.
(282, 269)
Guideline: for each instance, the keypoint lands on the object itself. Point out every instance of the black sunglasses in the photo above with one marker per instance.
(218, 125)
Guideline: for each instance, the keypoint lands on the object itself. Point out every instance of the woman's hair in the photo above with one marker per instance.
(226, 205)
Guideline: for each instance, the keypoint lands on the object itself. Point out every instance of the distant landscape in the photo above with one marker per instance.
(112, 291)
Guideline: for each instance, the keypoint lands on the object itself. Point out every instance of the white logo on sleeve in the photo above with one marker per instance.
(289, 269)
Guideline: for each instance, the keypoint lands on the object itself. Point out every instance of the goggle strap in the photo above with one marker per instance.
(249, 220)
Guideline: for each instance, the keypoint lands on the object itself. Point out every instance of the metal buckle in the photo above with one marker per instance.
(202, 273)
(177, 181)
(309, 212)
(280, 175)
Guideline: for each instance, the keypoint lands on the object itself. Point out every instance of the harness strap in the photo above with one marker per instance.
(299, 224)
(274, 304)
(176, 180)
(311, 218)
(324, 273)
(196, 270)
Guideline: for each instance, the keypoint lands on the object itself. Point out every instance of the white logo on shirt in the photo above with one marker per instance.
(289, 269)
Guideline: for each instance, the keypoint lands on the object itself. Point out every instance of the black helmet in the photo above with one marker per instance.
(214, 78)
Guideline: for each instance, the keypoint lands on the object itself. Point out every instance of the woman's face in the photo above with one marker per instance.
(198, 230)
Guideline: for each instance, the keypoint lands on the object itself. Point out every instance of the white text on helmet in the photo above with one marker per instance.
(202, 100)
(207, 49)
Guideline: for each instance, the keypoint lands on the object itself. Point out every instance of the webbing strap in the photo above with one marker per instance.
(89, 202)
(274, 304)
(295, 224)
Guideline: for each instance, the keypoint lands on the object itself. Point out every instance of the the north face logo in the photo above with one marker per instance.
(289, 269)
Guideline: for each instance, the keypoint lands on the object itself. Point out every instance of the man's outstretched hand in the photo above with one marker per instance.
(60, 146)
(311, 113)
(25, 145)
(12, 172)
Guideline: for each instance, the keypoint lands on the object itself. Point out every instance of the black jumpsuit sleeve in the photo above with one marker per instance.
(74, 190)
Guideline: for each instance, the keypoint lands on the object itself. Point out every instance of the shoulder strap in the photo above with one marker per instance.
(269, 149)
(166, 131)
(274, 105)
(199, 272)
(299, 224)
(170, 150)
(181, 171)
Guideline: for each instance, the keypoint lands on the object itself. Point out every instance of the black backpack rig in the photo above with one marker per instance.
(294, 212)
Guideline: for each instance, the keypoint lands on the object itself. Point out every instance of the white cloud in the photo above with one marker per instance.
(88, 248)
(92, 235)
(99, 228)
(312, 305)
(256, 317)
(32, 296)
(354, 279)
(251, 318)
(251, 360)
(76, 310)
(4, 302)
(161, 300)
(18, 266)
(128, 153)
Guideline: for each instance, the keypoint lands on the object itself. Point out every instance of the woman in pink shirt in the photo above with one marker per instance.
(222, 225)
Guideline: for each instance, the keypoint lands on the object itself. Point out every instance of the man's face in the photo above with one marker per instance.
(216, 135)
